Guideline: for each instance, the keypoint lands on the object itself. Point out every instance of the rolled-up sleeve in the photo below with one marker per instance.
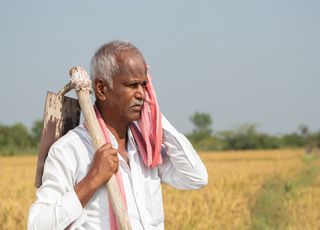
(182, 167)
(57, 205)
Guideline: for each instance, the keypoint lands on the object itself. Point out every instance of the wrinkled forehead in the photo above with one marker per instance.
(131, 62)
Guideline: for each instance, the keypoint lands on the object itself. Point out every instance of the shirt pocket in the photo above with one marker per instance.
(153, 200)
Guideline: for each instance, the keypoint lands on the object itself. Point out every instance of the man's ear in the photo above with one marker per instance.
(100, 89)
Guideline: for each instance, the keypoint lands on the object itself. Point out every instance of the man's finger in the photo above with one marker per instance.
(115, 158)
(106, 146)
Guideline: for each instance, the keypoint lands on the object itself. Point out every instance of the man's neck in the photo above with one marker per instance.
(117, 128)
(120, 133)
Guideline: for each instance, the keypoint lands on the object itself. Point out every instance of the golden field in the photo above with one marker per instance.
(237, 186)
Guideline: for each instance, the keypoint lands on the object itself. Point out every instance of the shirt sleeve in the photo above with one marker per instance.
(182, 167)
(57, 205)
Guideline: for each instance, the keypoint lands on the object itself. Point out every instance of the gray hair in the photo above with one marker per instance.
(107, 59)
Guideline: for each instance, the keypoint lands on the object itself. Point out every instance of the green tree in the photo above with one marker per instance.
(304, 130)
(201, 137)
(4, 131)
(243, 137)
(202, 123)
(246, 136)
(292, 140)
(19, 136)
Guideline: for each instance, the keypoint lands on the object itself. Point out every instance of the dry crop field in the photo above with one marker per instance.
(278, 189)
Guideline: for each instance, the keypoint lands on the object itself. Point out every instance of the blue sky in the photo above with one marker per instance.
(241, 61)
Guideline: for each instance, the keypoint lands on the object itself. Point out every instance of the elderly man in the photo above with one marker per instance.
(73, 193)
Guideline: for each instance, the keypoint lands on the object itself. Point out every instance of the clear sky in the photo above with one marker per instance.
(241, 61)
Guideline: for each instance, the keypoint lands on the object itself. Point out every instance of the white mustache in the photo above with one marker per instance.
(140, 103)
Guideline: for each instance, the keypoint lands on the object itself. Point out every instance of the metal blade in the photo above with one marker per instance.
(61, 114)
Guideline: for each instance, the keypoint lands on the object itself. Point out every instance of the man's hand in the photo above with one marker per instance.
(104, 164)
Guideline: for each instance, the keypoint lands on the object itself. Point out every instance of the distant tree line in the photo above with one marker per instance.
(246, 136)
(17, 139)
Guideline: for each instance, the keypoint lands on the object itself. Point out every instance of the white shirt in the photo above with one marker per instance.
(57, 206)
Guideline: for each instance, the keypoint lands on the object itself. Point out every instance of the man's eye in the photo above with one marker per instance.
(136, 85)
(133, 86)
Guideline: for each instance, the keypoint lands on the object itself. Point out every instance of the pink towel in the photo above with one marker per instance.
(150, 126)
(148, 136)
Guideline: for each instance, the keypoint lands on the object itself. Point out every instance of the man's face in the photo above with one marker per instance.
(124, 101)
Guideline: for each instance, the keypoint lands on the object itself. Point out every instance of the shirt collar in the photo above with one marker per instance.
(131, 143)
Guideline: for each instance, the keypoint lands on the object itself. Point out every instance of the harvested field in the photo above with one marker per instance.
(238, 196)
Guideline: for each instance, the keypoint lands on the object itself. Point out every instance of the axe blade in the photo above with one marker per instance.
(61, 114)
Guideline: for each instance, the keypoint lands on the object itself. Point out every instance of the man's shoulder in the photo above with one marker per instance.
(78, 132)
(74, 139)
(70, 153)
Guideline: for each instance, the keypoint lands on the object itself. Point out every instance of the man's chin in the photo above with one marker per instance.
(135, 116)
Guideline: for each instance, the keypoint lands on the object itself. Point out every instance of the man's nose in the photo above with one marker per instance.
(140, 92)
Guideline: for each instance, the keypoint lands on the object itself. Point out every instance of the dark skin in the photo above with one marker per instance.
(118, 106)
